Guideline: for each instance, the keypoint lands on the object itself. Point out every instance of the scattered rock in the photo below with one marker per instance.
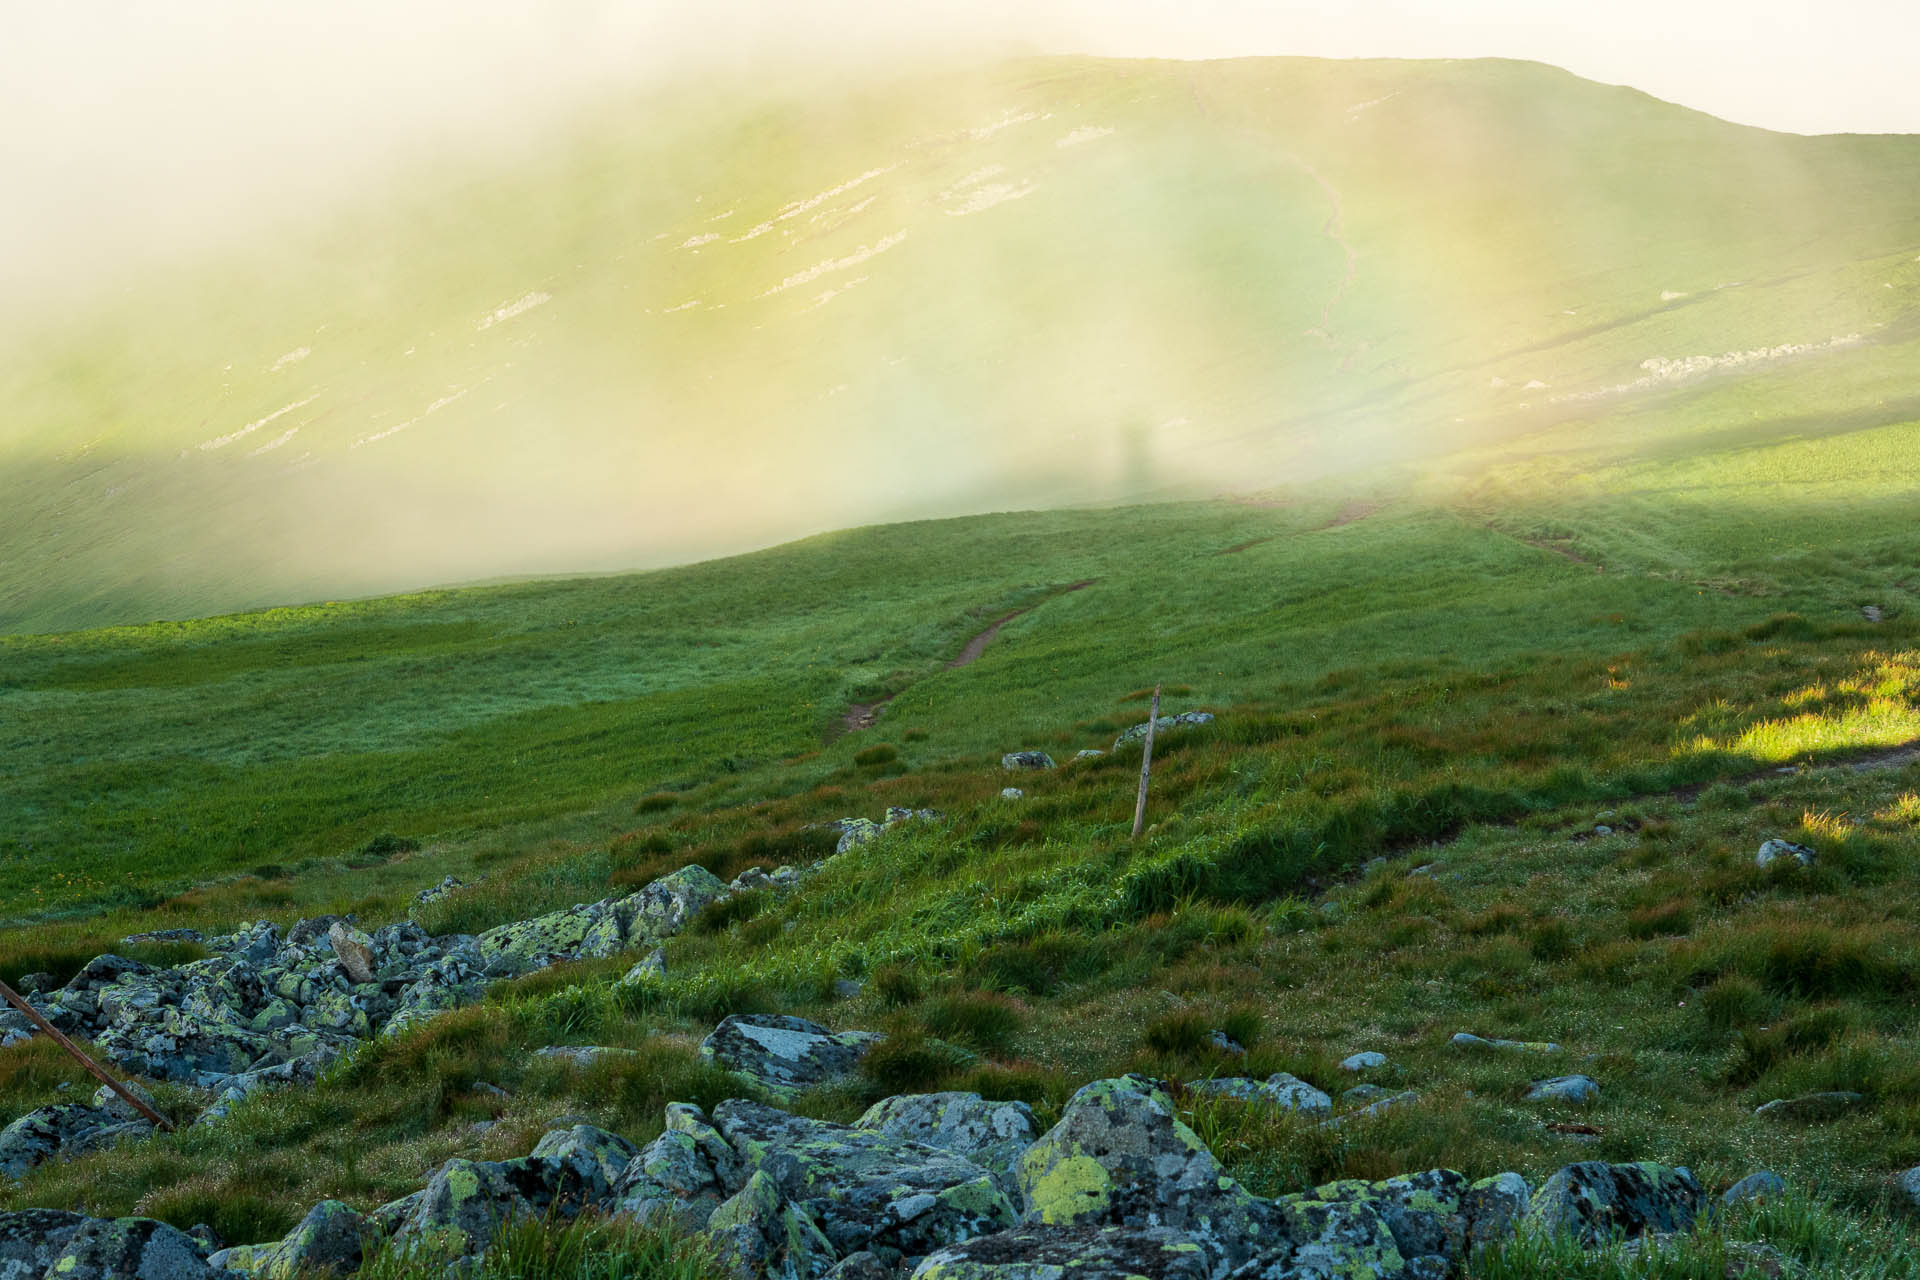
(1594, 1202)
(1872, 613)
(1011, 793)
(1226, 1043)
(584, 1055)
(1774, 850)
(130, 1249)
(1162, 725)
(1755, 1186)
(1361, 1094)
(1366, 1060)
(1467, 1040)
(1908, 1185)
(1603, 830)
(1088, 753)
(163, 935)
(467, 1202)
(105, 1099)
(33, 984)
(1372, 1109)
(331, 1239)
(65, 1128)
(438, 891)
(785, 1055)
(1286, 1092)
(1026, 760)
(1811, 1106)
(1580, 1089)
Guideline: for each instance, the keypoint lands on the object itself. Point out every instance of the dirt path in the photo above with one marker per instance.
(862, 715)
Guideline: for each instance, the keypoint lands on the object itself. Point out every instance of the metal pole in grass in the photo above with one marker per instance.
(98, 1072)
(1146, 765)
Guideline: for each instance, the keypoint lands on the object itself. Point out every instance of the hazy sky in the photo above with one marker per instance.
(130, 129)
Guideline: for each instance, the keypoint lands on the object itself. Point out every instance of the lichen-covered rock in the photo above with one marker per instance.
(785, 1055)
(467, 1202)
(526, 945)
(864, 1265)
(1034, 1252)
(1121, 1157)
(666, 906)
(44, 1133)
(992, 1135)
(1576, 1089)
(1349, 1239)
(762, 1235)
(1365, 1060)
(332, 1238)
(107, 1100)
(30, 1239)
(130, 1249)
(1593, 1201)
(854, 832)
(1011, 793)
(588, 1142)
(672, 1180)
(1422, 1210)
(1162, 725)
(864, 1189)
(1280, 1090)
(1026, 760)
(1493, 1208)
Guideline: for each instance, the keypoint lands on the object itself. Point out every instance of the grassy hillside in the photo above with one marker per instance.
(717, 320)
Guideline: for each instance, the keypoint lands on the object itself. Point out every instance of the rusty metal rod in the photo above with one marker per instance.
(98, 1072)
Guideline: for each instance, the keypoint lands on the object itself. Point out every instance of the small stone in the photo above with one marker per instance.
(1225, 1043)
(1088, 753)
(35, 983)
(1581, 1089)
(654, 966)
(1774, 850)
(1361, 1094)
(1365, 1060)
(1162, 725)
(1754, 1186)
(847, 988)
(1872, 613)
(1026, 760)
(1811, 1106)
(1373, 1108)
(1603, 830)
(1011, 793)
(1467, 1040)
(355, 950)
(1908, 1185)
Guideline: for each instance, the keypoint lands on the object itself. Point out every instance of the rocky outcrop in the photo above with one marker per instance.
(993, 1135)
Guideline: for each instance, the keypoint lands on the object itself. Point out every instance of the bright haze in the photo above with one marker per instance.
(315, 300)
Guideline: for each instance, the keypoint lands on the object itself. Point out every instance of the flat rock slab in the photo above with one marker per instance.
(785, 1055)
(1070, 1253)
(1581, 1089)
(1467, 1040)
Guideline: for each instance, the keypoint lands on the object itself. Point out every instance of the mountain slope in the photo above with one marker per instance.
(693, 326)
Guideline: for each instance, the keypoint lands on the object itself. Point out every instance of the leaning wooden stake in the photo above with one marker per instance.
(19, 1002)
(1146, 765)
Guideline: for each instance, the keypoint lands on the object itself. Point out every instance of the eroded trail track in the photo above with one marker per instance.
(861, 715)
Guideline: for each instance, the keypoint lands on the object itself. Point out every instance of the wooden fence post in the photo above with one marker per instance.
(1146, 765)
(98, 1072)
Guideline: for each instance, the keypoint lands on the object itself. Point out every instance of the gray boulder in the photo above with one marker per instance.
(130, 1249)
(1755, 1186)
(786, 1055)
(1366, 1060)
(682, 1176)
(1593, 1202)
(30, 1239)
(611, 1152)
(1034, 1252)
(63, 1128)
(992, 1135)
(865, 1190)
(1121, 1157)
(1026, 760)
(105, 1099)
(467, 1202)
(1162, 725)
(1578, 1089)
(1775, 850)
(1280, 1090)
(332, 1238)
(1906, 1184)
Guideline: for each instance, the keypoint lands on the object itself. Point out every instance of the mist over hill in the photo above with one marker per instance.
(692, 323)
